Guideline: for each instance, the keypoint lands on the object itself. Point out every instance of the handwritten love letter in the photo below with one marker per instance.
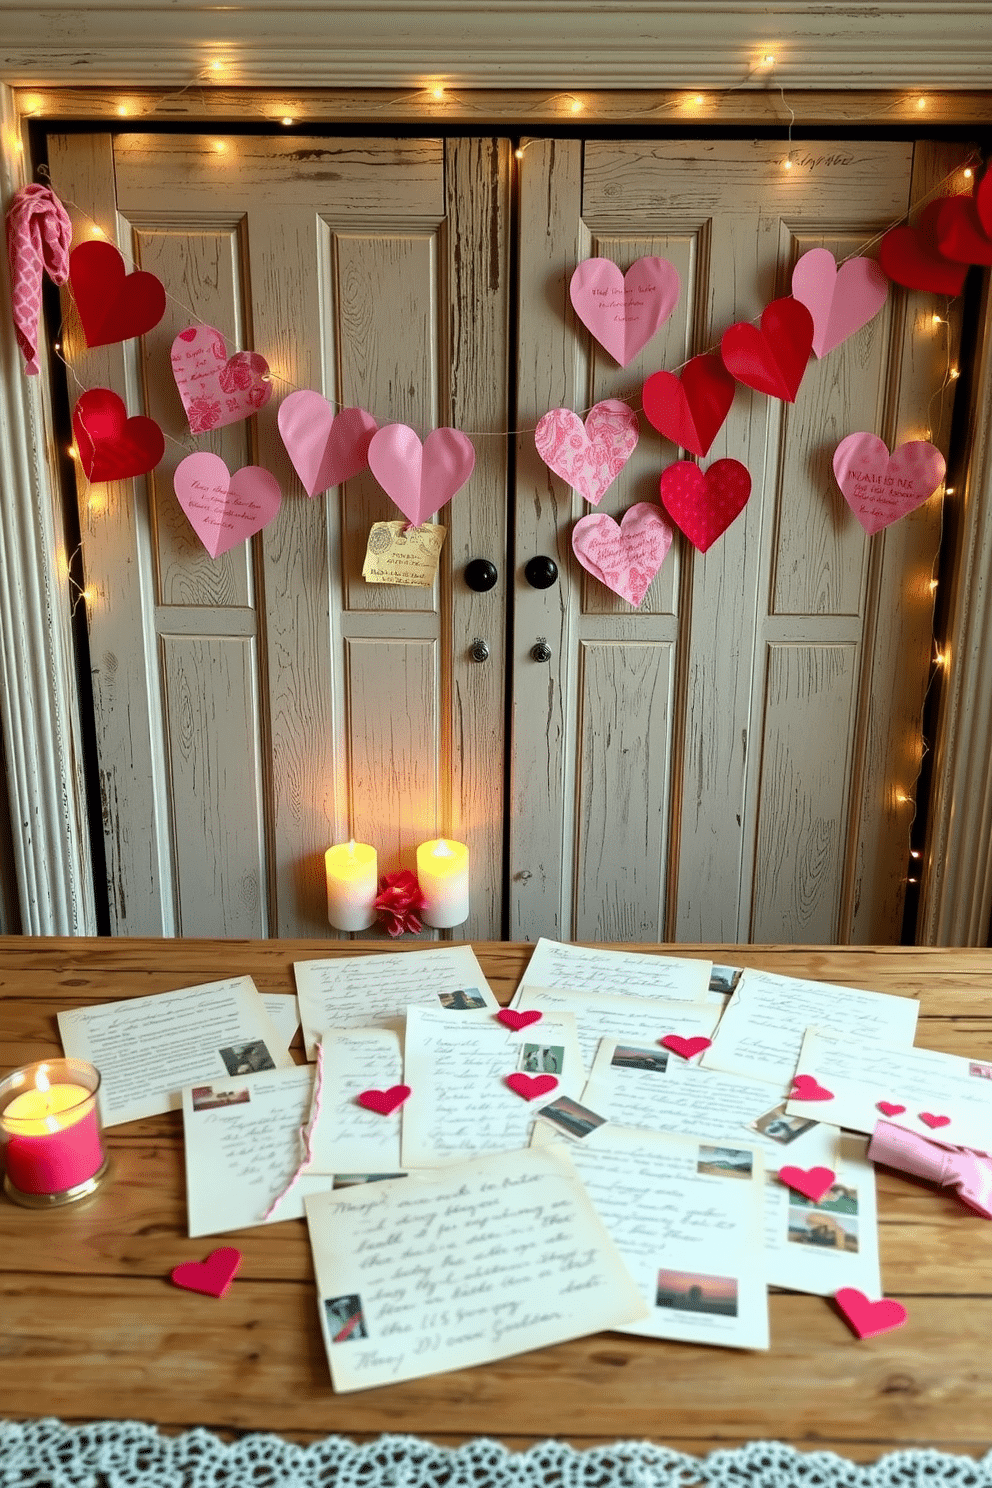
(600, 1015)
(351, 1138)
(553, 963)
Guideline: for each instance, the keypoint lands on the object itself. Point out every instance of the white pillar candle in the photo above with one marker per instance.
(352, 870)
(442, 871)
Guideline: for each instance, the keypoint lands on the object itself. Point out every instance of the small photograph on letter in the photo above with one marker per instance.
(626, 1057)
(573, 1119)
(206, 1098)
(780, 1127)
(463, 1000)
(247, 1059)
(725, 1162)
(688, 1291)
(542, 1059)
(345, 1319)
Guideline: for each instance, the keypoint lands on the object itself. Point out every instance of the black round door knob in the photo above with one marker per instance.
(480, 575)
(541, 572)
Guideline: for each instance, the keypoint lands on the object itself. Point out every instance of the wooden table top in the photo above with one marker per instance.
(93, 1329)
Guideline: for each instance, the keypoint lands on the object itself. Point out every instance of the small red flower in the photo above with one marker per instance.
(398, 902)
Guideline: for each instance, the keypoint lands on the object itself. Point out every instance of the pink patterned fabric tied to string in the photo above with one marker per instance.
(39, 233)
(968, 1173)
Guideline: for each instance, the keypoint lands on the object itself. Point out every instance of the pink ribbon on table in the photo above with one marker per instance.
(968, 1173)
(38, 236)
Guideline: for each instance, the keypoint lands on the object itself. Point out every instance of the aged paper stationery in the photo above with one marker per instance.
(946, 1097)
(362, 991)
(600, 1015)
(461, 1105)
(686, 1216)
(819, 1247)
(400, 554)
(148, 1048)
(761, 1031)
(555, 963)
(444, 1270)
(350, 1139)
(284, 1010)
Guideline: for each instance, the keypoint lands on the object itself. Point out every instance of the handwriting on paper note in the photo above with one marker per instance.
(400, 554)
(625, 556)
(216, 389)
(554, 963)
(879, 487)
(225, 509)
(623, 311)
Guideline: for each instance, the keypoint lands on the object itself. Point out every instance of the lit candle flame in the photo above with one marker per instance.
(41, 1081)
(443, 850)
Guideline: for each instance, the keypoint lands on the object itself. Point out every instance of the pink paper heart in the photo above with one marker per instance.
(929, 1119)
(420, 478)
(225, 509)
(217, 390)
(887, 1108)
(704, 503)
(840, 300)
(626, 557)
(868, 1318)
(516, 1020)
(813, 1182)
(879, 487)
(623, 311)
(805, 1087)
(531, 1086)
(384, 1101)
(212, 1276)
(684, 1047)
(325, 450)
(588, 456)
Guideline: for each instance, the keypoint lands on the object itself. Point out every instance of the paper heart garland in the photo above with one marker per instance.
(113, 305)
(690, 409)
(212, 1276)
(813, 1182)
(704, 503)
(840, 299)
(110, 445)
(910, 256)
(225, 509)
(771, 359)
(879, 487)
(385, 1101)
(517, 1020)
(588, 456)
(325, 450)
(684, 1047)
(626, 557)
(216, 389)
(531, 1086)
(623, 311)
(887, 1108)
(959, 232)
(868, 1318)
(420, 478)
(806, 1087)
(929, 1119)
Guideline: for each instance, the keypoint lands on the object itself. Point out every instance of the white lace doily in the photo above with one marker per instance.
(127, 1454)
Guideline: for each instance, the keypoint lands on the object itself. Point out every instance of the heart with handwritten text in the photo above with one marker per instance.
(216, 389)
(225, 509)
(879, 487)
(627, 556)
(623, 311)
(384, 1101)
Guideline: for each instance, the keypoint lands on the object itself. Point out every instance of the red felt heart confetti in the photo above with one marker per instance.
(703, 504)
(212, 1276)
(813, 1182)
(889, 1108)
(531, 1086)
(384, 1101)
(771, 359)
(868, 1318)
(910, 256)
(959, 232)
(110, 445)
(929, 1119)
(690, 410)
(113, 305)
(516, 1020)
(805, 1087)
(684, 1047)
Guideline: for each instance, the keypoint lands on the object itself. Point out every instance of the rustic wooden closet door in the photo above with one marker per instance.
(253, 709)
(736, 759)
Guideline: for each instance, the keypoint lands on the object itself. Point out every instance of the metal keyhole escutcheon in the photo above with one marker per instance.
(479, 651)
(540, 651)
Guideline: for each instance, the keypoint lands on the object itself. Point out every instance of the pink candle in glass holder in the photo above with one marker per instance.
(50, 1132)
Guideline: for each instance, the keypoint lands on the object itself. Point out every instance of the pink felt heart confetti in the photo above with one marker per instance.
(806, 1087)
(866, 1317)
(325, 450)
(623, 311)
(212, 1276)
(840, 299)
(879, 487)
(225, 509)
(684, 1047)
(110, 445)
(703, 504)
(420, 478)
(531, 1086)
(516, 1020)
(216, 389)
(626, 557)
(384, 1101)
(889, 1108)
(113, 305)
(929, 1119)
(588, 456)
(690, 409)
(813, 1182)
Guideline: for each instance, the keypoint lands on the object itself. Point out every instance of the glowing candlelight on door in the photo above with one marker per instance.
(442, 871)
(50, 1131)
(352, 870)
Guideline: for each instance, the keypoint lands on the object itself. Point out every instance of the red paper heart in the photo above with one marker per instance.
(887, 1108)
(113, 305)
(531, 1086)
(813, 1182)
(519, 1020)
(690, 410)
(684, 1047)
(929, 1119)
(704, 504)
(959, 232)
(805, 1087)
(910, 256)
(384, 1101)
(868, 1318)
(983, 201)
(773, 359)
(212, 1276)
(112, 446)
